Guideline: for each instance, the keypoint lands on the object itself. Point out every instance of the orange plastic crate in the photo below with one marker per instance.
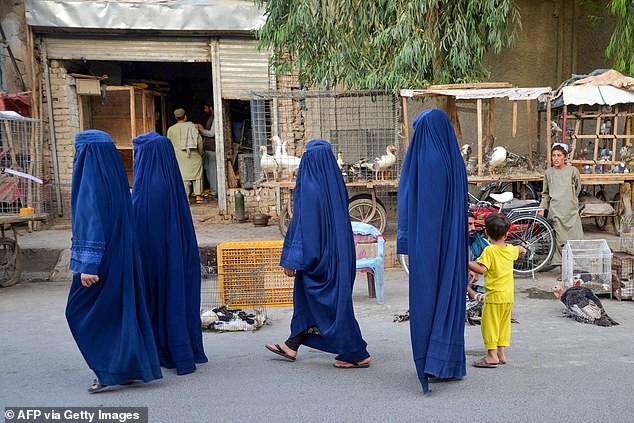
(249, 275)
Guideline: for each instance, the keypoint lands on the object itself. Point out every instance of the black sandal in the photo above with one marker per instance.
(97, 387)
(279, 351)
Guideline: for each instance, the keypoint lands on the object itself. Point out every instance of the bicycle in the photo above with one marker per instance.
(529, 228)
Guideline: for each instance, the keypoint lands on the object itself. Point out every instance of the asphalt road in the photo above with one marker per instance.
(558, 370)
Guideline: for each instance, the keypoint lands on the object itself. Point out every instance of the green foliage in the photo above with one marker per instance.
(621, 46)
(386, 44)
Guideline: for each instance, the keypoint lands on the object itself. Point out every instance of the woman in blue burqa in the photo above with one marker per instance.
(319, 252)
(433, 230)
(170, 258)
(106, 311)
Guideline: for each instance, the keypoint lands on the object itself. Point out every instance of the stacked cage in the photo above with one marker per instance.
(241, 284)
(588, 263)
(627, 234)
(623, 275)
(363, 129)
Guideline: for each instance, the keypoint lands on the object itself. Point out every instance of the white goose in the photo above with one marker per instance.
(381, 164)
(268, 164)
(286, 162)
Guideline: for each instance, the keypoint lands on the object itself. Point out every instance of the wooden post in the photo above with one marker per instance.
(143, 111)
(221, 160)
(548, 134)
(132, 114)
(529, 133)
(514, 118)
(615, 130)
(597, 140)
(405, 126)
(163, 115)
(479, 114)
(539, 132)
(492, 116)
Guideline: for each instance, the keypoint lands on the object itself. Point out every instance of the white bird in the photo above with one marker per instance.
(340, 161)
(268, 164)
(606, 126)
(381, 164)
(497, 159)
(466, 152)
(286, 162)
(554, 128)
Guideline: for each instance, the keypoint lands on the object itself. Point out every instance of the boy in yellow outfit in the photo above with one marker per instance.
(496, 264)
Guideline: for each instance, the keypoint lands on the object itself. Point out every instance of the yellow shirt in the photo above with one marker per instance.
(498, 280)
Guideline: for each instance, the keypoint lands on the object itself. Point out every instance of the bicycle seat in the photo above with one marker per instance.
(504, 197)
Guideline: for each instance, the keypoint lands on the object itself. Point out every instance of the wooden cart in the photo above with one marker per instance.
(10, 261)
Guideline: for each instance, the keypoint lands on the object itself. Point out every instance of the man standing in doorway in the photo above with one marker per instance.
(188, 146)
(209, 146)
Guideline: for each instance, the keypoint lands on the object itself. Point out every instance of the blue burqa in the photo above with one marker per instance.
(319, 244)
(433, 230)
(171, 262)
(109, 320)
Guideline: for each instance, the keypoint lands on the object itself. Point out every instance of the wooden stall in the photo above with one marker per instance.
(124, 112)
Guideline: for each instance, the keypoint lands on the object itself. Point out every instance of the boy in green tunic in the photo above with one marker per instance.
(562, 184)
(188, 145)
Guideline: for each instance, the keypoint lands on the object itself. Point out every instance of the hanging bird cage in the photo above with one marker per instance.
(588, 263)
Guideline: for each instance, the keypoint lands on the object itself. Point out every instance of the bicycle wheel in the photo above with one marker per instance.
(537, 235)
(601, 221)
(404, 260)
(360, 208)
(285, 220)
(10, 264)
(619, 212)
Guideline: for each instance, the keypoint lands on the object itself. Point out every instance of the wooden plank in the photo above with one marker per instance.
(476, 85)
(492, 117)
(529, 134)
(578, 127)
(164, 115)
(8, 220)
(601, 137)
(628, 126)
(479, 111)
(596, 144)
(405, 125)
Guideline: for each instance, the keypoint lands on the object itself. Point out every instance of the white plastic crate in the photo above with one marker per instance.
(588, 263)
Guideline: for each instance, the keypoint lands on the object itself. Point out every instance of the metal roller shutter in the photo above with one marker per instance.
(242, 68)
(137, 49)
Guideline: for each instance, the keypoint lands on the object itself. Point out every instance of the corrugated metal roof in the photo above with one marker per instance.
(242, 68)
(203, 16)
(472, 94)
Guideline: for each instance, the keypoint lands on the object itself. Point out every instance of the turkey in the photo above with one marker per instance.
(583, 306)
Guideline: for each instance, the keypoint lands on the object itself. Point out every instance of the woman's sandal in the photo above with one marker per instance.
(97, 387)
(279, 351)
(351, 365)
(483, 363)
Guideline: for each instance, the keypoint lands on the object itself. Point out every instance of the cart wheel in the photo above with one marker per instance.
(360, 208)
(601, 221)
(10, 266)
(285, 220)
(619, 211)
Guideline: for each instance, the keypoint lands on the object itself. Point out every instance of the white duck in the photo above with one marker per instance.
(286, 162)
(381, 164)
(340, 161)
(268, 164)
(466, 152)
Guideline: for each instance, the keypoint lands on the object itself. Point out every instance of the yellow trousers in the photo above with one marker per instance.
(496, 325)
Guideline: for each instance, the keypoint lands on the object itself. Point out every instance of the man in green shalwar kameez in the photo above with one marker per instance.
(188, 145)
(562, 184)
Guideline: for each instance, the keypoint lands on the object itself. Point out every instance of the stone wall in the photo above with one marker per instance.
(14, 27)
(266, 204)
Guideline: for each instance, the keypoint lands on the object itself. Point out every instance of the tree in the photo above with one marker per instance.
(621, 46)
(386, 44)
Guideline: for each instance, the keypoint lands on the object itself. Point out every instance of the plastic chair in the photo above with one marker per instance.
(372, 266)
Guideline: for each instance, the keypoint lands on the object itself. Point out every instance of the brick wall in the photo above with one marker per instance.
(266, 205)
(66, 124)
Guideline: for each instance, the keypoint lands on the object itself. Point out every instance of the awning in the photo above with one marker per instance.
(201, 16)
(589, 94)
(473, 94)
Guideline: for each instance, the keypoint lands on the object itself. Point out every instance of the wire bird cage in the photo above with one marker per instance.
(623, 275)
(364, 130)
(20, 165)
(240, 283)
(588, 263)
